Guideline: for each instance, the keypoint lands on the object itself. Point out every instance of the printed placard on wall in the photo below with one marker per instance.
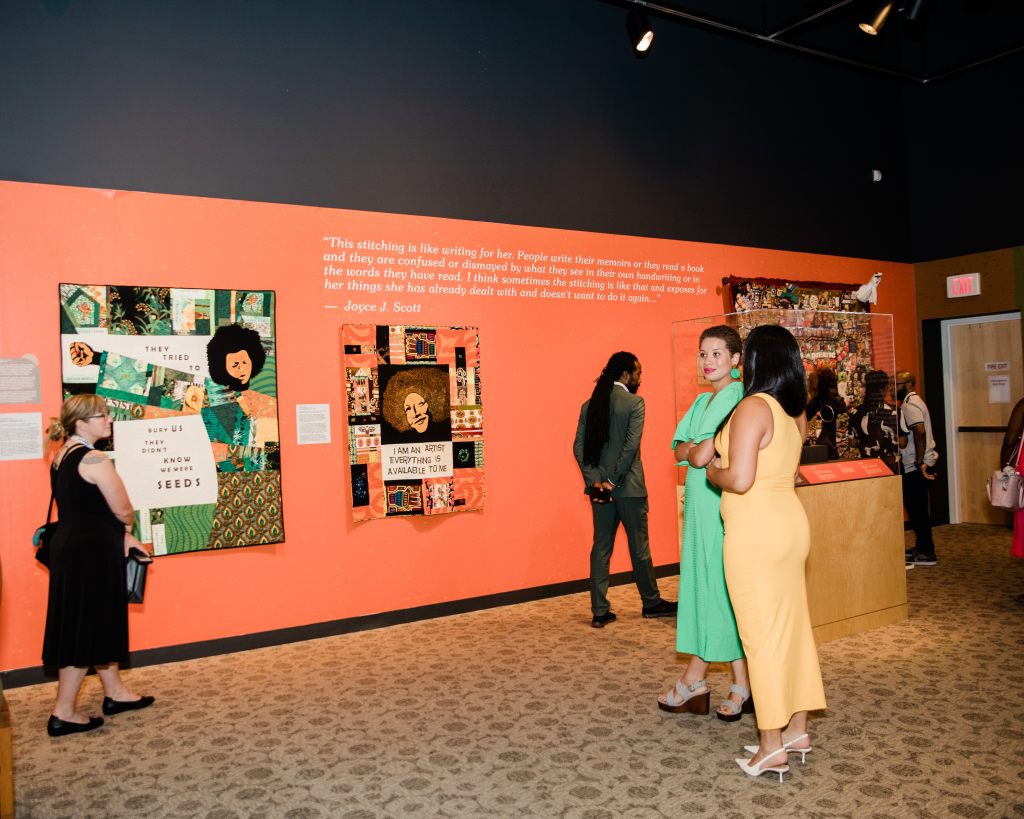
(415, 419)
(190, 377)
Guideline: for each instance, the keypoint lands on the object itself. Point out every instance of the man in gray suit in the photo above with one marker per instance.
(607, 449)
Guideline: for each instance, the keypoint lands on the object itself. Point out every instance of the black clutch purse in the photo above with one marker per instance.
(43, 535)
(136, 564)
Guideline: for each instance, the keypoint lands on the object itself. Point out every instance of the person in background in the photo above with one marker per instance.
(607, 450)
(705, 625)
(87, 608)
(1012, 440)
(875, 423)
(827, 403)
(767, 538)
(917, 457)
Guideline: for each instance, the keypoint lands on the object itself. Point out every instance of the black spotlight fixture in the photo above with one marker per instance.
(878, 21)
(910, 9)
(640, 32)
(913, 9)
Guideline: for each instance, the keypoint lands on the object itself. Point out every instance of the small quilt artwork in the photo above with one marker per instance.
(415, 419)
(190, 379)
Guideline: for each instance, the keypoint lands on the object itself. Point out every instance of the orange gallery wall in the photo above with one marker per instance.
(539, 361)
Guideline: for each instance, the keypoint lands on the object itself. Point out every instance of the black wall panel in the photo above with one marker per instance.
(966, 157)
(527, 112)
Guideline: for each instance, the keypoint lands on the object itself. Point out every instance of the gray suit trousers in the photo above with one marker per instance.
(632, 513)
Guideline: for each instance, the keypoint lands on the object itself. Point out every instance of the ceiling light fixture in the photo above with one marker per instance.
(913, 9)
(640, 32)
(875, 25)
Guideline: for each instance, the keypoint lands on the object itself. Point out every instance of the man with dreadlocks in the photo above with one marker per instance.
(607, 449)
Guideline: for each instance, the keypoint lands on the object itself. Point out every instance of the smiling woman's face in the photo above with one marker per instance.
(416, 411)
(239, 366)
(715, 360)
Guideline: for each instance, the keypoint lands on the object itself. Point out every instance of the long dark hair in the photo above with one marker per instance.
(828, 384)
(600, 409)
(876, 382)
(772, 364)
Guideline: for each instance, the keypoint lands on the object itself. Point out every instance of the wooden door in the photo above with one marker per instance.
(986, 369)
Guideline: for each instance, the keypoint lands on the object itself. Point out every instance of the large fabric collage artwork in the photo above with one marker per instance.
(190, 378)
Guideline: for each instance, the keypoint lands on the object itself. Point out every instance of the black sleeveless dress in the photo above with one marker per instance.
(87, 611)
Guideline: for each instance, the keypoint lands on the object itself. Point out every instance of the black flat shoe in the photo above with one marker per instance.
(663, 608)
(111, 707)
(56, 727)
(601, 620)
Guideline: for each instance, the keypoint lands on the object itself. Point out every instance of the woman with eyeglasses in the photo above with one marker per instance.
(87, 610)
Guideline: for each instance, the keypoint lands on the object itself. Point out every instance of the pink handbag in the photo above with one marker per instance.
(1006, 486)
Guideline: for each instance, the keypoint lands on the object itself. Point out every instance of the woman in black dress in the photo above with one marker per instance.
(827, 403)
(87, 610)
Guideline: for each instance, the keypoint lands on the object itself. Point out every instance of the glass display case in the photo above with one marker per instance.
(850, 363)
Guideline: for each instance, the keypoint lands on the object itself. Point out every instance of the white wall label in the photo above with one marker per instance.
(313, 423)
(21, 436)
(19, 380)
(999, 389)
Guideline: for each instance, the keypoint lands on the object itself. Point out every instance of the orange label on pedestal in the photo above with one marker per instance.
(835, 471)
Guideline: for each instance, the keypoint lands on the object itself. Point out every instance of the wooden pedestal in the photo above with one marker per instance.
(856, 578)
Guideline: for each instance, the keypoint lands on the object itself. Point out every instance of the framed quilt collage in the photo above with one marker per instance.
(414, 399)
(190, 377)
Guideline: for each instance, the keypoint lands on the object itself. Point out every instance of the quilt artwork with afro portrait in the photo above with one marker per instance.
(414, 404)
(190, 378)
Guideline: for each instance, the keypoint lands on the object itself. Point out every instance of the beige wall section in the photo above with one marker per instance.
(856, 579)
(1002, 291)
(998, 289)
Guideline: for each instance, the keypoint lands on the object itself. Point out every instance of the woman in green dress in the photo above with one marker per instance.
(706, 627)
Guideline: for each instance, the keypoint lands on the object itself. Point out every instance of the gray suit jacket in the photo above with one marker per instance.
(620, 457)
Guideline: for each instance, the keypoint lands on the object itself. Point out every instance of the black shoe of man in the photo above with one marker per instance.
(601, 620)
(663, 608)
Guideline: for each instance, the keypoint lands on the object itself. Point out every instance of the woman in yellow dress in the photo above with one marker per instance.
(766, 544)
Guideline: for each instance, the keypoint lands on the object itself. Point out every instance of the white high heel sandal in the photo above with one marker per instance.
(759, 768)
(786, 746)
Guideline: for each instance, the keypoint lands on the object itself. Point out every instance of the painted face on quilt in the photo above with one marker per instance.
(416, 411)
(239, 366)
(715, 360)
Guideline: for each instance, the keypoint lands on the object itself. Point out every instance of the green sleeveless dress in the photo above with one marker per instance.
(705, 623)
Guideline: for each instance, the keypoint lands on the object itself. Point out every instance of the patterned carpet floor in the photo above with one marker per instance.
(527, 711)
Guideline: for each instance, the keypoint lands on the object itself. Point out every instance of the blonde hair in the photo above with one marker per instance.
(74, 409)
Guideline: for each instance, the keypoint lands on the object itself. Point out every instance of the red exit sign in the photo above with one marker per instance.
(966, 284)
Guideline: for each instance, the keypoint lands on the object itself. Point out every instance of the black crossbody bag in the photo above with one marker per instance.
(43, 536)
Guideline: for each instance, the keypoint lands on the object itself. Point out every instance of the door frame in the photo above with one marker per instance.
(949, 394)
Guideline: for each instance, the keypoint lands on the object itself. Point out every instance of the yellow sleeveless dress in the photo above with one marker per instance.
(766, 544)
